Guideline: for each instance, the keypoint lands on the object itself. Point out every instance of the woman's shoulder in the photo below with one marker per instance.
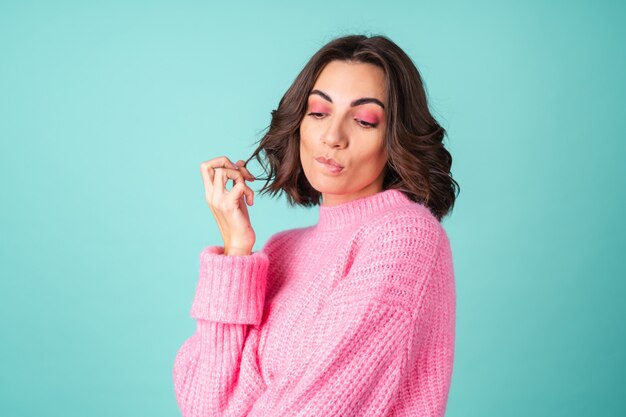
(391, 258)
(285, 237)
(407, 219)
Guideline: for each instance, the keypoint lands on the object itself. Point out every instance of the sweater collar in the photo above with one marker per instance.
(343, 214)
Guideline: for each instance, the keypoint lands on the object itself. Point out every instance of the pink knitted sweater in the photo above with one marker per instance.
(354, 316)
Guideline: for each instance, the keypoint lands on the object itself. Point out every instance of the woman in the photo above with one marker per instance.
(354, 316)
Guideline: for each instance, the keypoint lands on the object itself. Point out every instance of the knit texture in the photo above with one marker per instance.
(353, 316)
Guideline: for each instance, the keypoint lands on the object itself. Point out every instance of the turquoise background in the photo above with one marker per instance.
(108, 109)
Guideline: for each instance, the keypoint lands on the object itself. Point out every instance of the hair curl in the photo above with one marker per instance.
(418, 163)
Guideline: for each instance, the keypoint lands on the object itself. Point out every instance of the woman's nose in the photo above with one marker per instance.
(335, 135)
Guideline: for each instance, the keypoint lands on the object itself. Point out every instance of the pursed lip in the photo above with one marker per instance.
(329, 161)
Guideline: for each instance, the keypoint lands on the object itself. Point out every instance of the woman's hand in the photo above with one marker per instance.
(228, 207)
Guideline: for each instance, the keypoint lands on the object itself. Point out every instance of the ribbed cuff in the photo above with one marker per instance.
(231, 289)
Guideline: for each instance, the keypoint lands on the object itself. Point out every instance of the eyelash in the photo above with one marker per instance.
(364, 124)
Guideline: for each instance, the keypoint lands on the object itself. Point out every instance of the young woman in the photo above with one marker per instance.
(354, 316)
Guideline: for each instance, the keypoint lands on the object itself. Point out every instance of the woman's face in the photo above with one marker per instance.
(345, 121)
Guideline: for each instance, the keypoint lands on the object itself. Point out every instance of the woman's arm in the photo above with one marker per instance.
(216, 371)
(211, 367)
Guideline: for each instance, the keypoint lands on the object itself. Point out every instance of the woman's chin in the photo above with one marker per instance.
(329, 186)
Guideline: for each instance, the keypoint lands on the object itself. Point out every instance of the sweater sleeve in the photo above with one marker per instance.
(215, 370)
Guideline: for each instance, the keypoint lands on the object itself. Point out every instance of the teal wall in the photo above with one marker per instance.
(107, 110)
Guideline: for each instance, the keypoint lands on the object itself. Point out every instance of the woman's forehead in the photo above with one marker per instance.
(342, 82)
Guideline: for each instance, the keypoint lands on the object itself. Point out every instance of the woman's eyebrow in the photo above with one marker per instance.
(356, 102)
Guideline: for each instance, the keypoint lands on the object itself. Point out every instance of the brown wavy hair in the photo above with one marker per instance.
(418, 164)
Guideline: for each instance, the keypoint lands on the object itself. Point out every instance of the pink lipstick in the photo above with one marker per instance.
(330, 164)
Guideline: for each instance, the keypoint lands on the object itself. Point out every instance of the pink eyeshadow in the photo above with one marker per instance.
(316, 108)
(369, 117)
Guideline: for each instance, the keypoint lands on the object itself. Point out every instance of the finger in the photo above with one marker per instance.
(219, 184)
(223, 162)
(240, 189)
(207, 178)
(221, 178)
(237, 192)
(237, 177)
(220, 162)
(242, 167)
(207, 169)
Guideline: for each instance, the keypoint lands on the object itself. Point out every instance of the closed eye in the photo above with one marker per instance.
(365, 124)
(362, 123)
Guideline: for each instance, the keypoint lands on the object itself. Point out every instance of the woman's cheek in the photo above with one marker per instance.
(304, 133)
